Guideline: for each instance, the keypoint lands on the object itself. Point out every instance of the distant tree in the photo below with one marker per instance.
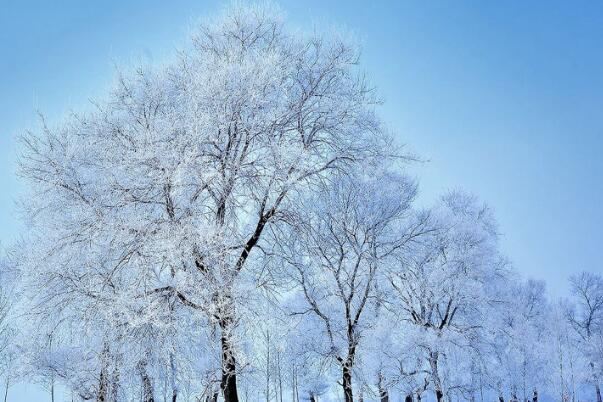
(335, 250)
(442, 290)
(10, 353)
(587, 320)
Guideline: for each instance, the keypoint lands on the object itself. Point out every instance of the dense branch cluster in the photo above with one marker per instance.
(238, 225)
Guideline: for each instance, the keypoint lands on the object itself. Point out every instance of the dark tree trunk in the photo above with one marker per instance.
(383, 394)
(115, 385)
(501, 399)
(213, 397)
(408, 398)
(535, 396)
(437, 384)
(598, 390)
(347, 383)
(102, 386)
(173, 378)
(313, 398)
(229, 366)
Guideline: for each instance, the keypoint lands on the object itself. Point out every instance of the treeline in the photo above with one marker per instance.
(238, 225)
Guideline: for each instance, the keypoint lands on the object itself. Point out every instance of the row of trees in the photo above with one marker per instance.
(238, 225)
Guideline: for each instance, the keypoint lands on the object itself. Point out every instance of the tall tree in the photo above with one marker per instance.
(181, 170)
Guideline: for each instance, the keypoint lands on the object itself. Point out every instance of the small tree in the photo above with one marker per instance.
(587, 320)
(441, 290)
(336, 248)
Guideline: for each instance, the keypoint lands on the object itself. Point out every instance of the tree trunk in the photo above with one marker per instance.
(229, 367)
(437, 384)
(347, 383)
(268, 366)
(598, 391)
(408, 398)
(212, 395)
(383, 394)
(535, 396)
(313, 397)
(173, 375)
(147, 385)
(102, 386)
(279, 375)
(295, 390)
(6, 385)
(115, 385)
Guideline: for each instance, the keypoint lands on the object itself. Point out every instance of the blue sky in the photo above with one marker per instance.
(505, 99)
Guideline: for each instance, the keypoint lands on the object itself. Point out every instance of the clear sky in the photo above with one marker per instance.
(505, 99)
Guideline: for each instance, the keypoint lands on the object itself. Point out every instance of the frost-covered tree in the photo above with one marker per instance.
(522, 339)
(587, 320)
(163, 193)
(8, 358)
(569, 368)
(234, 222)
(335, 250)
(441, 293)
(9, 347)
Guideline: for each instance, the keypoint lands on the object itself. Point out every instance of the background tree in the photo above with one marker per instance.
(586, 319)
(441, 290)
(342, 238)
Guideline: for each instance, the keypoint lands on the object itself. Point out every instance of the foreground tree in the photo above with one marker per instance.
(183, 168)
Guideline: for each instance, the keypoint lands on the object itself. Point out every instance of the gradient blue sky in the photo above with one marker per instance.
(504, 98)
